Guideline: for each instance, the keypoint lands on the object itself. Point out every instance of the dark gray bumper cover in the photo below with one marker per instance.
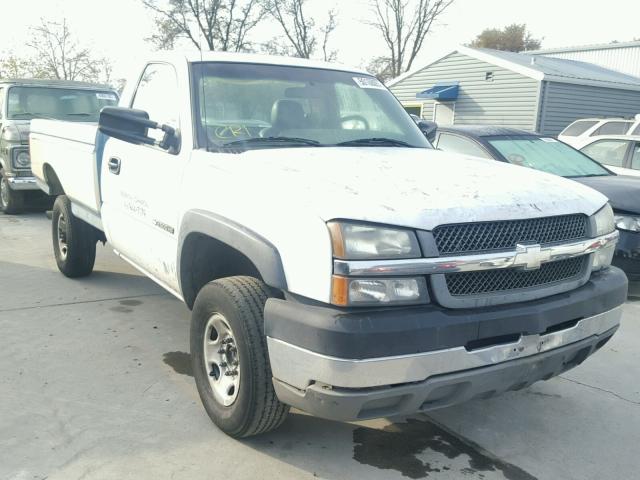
(441, 390)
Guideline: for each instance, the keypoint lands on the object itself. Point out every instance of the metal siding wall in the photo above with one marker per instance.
(509, 100)
(564, 103)
(625, 60)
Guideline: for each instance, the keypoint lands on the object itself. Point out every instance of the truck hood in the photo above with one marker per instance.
(623, 191)
(418, 188)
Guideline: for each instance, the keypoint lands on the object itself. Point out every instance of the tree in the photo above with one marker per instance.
(404, 25)
(12, 66)
(300, 31)
(512, 38)
(58, 55)
(381, 68)
(222, 24)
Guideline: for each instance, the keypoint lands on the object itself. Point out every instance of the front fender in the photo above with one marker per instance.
(262, 253)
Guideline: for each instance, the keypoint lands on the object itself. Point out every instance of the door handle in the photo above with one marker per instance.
(114, 165)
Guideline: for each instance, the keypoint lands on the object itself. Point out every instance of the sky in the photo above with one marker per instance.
(117, 28)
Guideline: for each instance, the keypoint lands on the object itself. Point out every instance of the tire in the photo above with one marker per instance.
(11, 202)
(74, 241)
(232, 308)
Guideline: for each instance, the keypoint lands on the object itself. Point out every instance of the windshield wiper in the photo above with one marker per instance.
(272, 140)
(375, 142)
(590, 175)
(81, 114)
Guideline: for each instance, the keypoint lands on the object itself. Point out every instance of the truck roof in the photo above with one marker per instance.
(194, 56)
(53, 83)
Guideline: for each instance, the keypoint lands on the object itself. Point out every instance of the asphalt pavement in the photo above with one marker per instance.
(95, 383)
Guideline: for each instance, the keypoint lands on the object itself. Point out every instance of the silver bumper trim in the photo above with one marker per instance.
(22, 183)
(300, 368)
(520, 257)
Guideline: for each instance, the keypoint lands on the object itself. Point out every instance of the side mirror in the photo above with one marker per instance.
(428, 128)
(133, 126)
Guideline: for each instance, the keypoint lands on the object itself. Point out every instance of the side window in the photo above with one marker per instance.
(636, 131)
(609, 152)
(578, 128)
(1, 103)
(612, 128)
(635, 159)
(157, 94)
(457, 144)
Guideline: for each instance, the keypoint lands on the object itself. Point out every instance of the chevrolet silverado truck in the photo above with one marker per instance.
(328, 266)
(20, 102)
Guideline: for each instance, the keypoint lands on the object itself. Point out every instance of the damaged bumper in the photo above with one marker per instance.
(463, 359)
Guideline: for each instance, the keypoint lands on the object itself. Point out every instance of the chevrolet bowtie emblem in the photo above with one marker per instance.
(530, 257)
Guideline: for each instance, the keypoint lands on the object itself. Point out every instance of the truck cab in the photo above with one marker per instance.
(24, 100)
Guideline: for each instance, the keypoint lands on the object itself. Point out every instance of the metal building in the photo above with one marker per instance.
(491, 87)
(622, 57)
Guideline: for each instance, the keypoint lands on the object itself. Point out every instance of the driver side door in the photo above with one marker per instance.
(140, 183)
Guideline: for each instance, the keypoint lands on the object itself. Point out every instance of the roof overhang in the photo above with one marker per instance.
(519, 68)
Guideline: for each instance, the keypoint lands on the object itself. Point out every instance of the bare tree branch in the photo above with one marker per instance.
(58, 55)
(404, 25)
(299, 30)
(222, 24)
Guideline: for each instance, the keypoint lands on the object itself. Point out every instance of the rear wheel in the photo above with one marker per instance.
(11, 201)
(74, 241)
(230, 359)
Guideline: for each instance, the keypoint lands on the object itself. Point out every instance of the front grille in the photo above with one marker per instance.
(493, 281)
(486, 236)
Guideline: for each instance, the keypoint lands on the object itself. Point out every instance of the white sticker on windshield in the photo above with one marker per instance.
(368, 82)
(548, 139)
(106, 96)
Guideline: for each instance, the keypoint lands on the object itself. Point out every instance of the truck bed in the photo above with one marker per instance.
(69, 150)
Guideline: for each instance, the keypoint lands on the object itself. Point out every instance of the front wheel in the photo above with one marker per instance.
(230, 359)
(10, 201)
(74, 241)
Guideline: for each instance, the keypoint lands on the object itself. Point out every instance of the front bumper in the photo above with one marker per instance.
(627, 255)
(439, 391)
(361, 363)
(22, 183)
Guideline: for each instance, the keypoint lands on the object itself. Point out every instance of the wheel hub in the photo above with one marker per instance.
(221, 359)
(62, 236)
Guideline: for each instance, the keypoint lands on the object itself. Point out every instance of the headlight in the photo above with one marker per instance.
(628, 222)
(10, 133)
(378, 291)
(354, 241)
(604, 221)
(21, 159)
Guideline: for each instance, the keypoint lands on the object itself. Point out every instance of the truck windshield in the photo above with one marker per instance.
(548, 155)
(26, 103)
(251, 106)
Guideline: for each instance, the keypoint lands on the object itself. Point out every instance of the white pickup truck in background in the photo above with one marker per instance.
(333, 260)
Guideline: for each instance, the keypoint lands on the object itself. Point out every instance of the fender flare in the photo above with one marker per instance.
(259, 250)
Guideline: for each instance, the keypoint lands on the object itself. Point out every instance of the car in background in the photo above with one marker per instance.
(582, 132)
(20, 102)
(427, 127)
(547, 154)
(620, 153)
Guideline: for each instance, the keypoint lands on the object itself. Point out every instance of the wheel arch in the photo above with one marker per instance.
(212, 247)
(51, 180)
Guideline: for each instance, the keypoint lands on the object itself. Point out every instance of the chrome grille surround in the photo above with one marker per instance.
(463, 238)
(510, 279)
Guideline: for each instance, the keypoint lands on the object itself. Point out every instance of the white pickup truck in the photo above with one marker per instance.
(333, 260)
